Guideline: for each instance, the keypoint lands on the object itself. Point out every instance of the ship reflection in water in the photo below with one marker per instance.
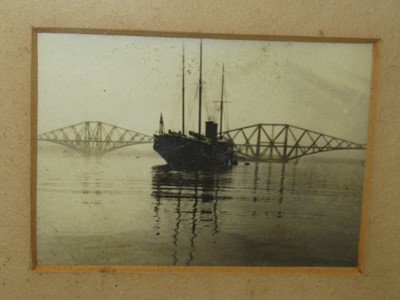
(256, 215)
(195, 196)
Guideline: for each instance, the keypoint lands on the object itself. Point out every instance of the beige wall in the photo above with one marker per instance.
(351, 18)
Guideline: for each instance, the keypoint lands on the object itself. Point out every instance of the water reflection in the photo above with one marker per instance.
(191, 200)
(194, 197)
(270, 179)
(257, 214)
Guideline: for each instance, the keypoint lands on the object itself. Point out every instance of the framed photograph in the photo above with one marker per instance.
(190, 151)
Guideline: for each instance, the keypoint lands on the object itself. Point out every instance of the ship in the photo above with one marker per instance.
(195, 151)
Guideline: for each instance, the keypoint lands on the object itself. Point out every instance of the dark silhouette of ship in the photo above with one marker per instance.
(195, 151)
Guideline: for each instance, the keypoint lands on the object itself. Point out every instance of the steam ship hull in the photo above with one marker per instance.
(187, 153)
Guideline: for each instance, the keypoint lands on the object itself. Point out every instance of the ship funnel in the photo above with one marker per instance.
(211, 130)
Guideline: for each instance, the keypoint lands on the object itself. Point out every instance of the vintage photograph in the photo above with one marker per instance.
(173, 151)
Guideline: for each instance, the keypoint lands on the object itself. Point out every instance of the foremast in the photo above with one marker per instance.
(222, 101)
(183, 89)
(200, 83)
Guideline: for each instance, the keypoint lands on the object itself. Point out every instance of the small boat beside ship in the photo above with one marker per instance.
(195, 151)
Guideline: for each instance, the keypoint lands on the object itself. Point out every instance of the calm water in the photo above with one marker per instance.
(125, 208)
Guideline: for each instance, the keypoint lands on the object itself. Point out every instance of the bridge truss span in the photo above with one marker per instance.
(95, 138)
(283, 142)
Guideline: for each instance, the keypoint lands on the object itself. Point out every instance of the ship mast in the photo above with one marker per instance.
(200, 82)
(183, 89)
(222, 101)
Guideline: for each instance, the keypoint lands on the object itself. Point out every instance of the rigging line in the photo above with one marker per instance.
(206, 105)
(216, 111)
(173, 115)
(175, 112)
(226, 117)
(190, 120)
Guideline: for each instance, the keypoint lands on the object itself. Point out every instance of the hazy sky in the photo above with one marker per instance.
(128, 81)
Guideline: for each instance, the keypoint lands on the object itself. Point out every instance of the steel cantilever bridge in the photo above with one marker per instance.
(260, 142)
(283, 142)
(95, 138)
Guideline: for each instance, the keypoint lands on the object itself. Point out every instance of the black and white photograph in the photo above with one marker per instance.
(190, 151)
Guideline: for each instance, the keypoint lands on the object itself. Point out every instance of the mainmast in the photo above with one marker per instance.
(183, 89)
(222, 101)
(200, 82)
